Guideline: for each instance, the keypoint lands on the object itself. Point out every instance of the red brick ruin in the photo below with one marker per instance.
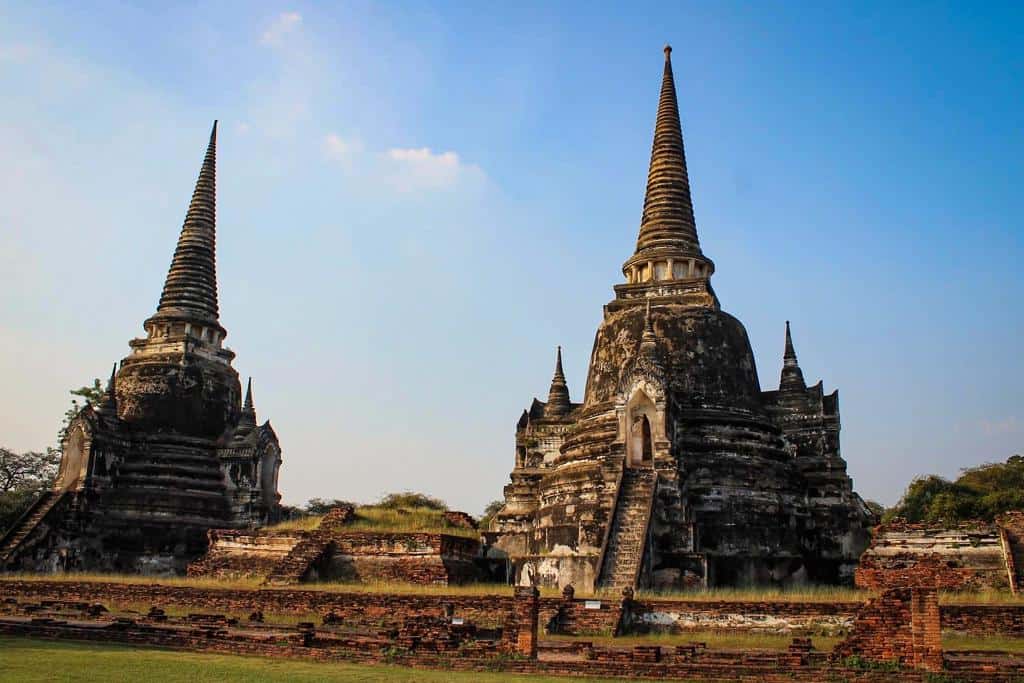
(675, 472)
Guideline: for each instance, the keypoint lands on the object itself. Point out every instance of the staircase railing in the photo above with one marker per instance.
(608, 527)
(647, 528)
(1009, 561)
(49, 497)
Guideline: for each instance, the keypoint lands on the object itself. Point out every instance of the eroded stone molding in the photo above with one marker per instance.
(171, 451)
(750, 486)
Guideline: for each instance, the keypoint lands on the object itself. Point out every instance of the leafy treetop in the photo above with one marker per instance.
(981, 492)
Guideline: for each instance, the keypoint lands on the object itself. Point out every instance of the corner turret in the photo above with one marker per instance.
(558, 396)
(792, 379)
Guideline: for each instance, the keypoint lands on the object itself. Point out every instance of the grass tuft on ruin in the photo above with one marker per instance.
(387, 518)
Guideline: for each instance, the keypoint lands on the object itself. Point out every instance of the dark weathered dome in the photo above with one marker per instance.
(705, 353)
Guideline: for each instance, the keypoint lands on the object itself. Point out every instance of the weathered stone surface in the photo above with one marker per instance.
(749, 485)
(244, 553)
(973, 555)
(333, 552)
(902, 626)
(172, 452)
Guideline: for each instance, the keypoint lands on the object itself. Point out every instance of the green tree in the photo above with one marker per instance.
(492, 509)
(91, 396)
(981, 492)
(915, 503)
(23, 476)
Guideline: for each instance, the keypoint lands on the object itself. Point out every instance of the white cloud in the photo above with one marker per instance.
(282, 98)
(1008, 425)
(337, 148)
(420, 168)
(17, 53)
(283, 26)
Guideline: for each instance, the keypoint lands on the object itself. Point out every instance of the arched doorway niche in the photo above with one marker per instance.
(73, 461)
(641, 427)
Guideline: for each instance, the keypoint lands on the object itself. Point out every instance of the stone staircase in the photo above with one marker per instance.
(1017, 549)
(624, 552)
(296, 564)
(1011, 531)
(26, 523)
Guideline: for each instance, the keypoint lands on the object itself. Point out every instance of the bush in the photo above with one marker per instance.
(321, 506)
(982, 492)
(410, 500)
(493, 508)
(13, 504)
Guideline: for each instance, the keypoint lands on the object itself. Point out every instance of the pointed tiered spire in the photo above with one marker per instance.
(190, 290)
(247, 419)
(248, 410)
(668, 209)
(558, 396)
(667, 248)
(792, 376)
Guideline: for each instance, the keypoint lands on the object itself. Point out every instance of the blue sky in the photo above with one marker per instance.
(417, 203)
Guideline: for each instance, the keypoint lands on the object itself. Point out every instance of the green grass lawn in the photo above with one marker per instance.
(23, 660)
(962, 641)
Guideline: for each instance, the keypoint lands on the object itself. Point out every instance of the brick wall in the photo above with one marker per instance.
(376, 609)
(984, 620)
(420, 558)
(335, 553)
(237, 553)
(674, 616)
(970, 555)
(556, 614)
(901, 625)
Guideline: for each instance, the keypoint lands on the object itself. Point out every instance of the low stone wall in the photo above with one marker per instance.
(432, 646)
(901, 625)
(572, 617)
(798, 618)
(584, 617)
(420, 558)
(378, 609)
(971, 555)
(237, 553)
(984, 620)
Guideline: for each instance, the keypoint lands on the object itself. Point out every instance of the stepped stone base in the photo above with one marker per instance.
(974, 555)
(238, 554)
(290, 557)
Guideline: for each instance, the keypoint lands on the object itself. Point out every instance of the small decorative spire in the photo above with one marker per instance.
(190, 290)
(648, 340)
(247, 419)
(792, 376)
(248, 398)
(108, 407)
(789, 355)
(558, 396)
(559, 375)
